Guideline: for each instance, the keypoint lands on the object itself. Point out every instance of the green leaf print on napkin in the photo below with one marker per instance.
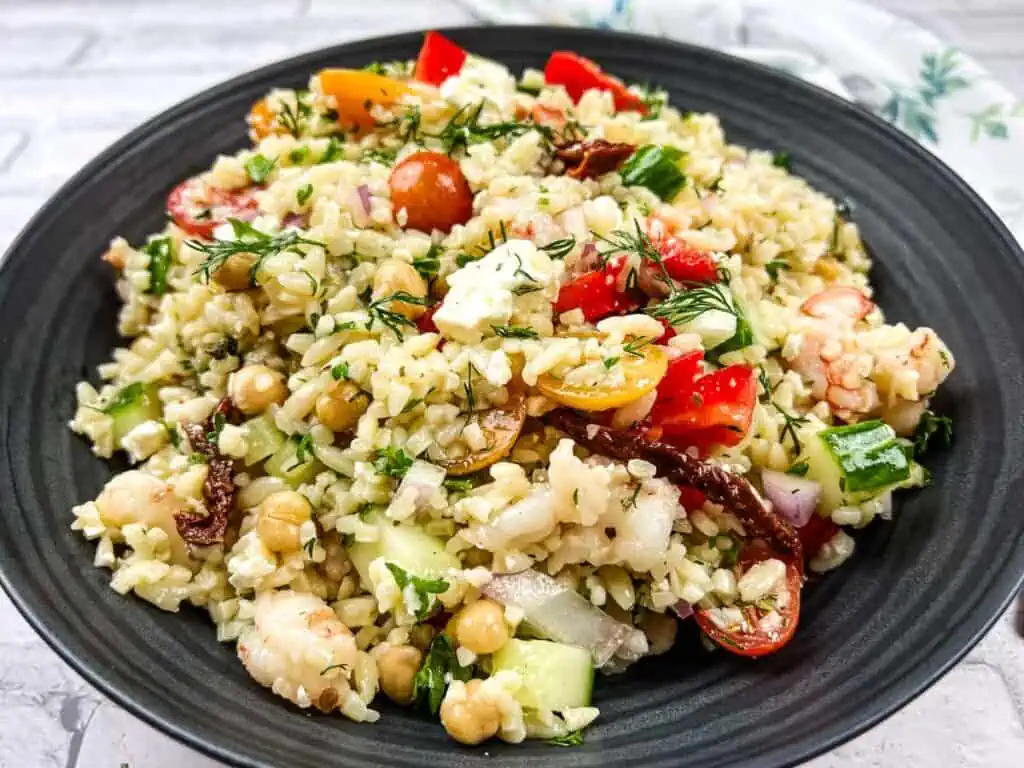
(991, 121)
(913, 109)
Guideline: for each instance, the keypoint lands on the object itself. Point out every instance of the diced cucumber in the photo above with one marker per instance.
(656, 168)
(294, 462)
(555, 676)
(715, 327)
(132, 405)
(856, 462)
(409, 547)
(262, 437)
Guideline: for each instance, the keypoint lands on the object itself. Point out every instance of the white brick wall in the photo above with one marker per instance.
(76, 74)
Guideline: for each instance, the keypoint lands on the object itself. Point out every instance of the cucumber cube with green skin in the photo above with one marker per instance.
(288, 466)
(857, 462)
(555, 676)
(408, 546)
(657, 168)
(132, 405)
(262, 437)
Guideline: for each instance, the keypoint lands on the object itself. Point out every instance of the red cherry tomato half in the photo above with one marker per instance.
(432, 190)
(815, 534)
(439, 59)
(598, 293)
(753, 641)
(199, 208)
(578, 75)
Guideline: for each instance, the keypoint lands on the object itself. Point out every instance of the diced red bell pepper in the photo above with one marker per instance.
(714, 409)
(578, 75)
(439, 59)
(597, 293)
(669, 331)
(683, 262)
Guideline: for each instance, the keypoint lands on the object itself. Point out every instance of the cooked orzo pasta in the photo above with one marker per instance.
(455, 387)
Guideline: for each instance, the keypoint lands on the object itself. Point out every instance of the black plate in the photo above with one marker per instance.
(917, 595)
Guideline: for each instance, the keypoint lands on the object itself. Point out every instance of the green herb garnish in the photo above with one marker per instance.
(425, 589)
(440, 665)
(259, 167)
(392, 462)
(932, 426)
(248, 240)
(571, 739)
(514, 332)
(161, 254)
(303, 193)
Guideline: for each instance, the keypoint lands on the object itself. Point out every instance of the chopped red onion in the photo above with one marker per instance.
(794, 498)
(559, 613)
(364, 197)
(682, 609)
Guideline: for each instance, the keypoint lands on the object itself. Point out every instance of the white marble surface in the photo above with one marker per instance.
(76, 74)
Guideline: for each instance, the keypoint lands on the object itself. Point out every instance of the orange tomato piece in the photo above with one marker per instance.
(357, 91)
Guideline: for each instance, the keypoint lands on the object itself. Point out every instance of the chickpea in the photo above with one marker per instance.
(393, 276)
(234, 273)
(341, 406)
(280, 516)
(470, 719)
(397, 667)
(480, 627)
(255, 388)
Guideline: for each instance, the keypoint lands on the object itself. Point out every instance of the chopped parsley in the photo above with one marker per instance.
(781, 160)
(774, 266)
(303, 193)
(161, 253)
(259, 167)
(932, 426)
(425, 589)
(300, 155)
(392, 462)
(383, 156)
(429, 264)
(440, 666)
(571, 739)
(610, 362)
(303, 451)
(799, 469)
(333, 151)
(461, 484)
(340, 371)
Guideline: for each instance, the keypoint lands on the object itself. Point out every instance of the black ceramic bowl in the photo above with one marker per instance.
(918, 593)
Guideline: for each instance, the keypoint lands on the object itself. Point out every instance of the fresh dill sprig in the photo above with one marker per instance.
(464, 128)
(514, 332)
(394, 321)
(682, 307)
(407, 125)
(559, 249)
(625, 242)
(248, 240)
(470, 394)
(382, 156)
(793, 423)
(633, 346)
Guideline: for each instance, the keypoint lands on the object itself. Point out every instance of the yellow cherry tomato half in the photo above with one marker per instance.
(637, 375)
(357, 91)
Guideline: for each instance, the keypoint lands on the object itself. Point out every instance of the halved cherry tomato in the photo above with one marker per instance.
(641, 375)
(199, 209)
(838, 302)
(598, 293)
(432, 190)
(815, 534)
(578, 75)
(714, 409)
(681, 260)
(439, 59)
(262, 120)
(357, 91)
(757, 641)
(501, 427)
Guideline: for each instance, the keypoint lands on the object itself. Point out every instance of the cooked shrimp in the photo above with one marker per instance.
(299, 648)
(137, 497)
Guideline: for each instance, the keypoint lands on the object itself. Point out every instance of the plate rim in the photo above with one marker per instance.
(858, 724)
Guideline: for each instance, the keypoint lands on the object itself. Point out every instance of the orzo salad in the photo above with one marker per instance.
(457, 386)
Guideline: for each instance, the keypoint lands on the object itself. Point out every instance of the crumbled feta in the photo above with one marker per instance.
(483, 293)
(144, 440)
(232, 442)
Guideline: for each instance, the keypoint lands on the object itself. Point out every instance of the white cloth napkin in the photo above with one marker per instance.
(894, 68)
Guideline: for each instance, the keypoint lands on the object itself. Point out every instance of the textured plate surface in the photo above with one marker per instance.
(917, 594)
